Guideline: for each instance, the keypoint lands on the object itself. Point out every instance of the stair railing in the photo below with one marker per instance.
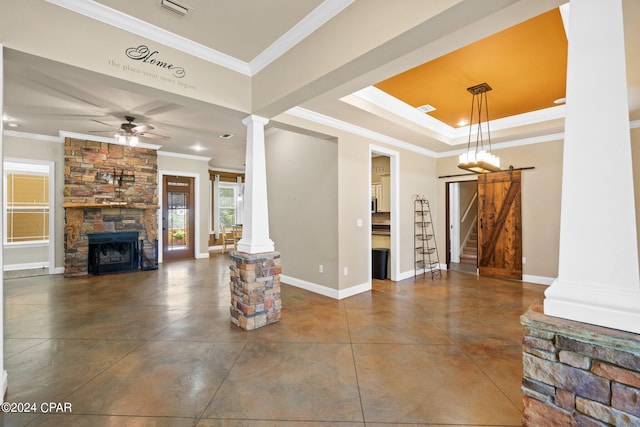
(469, 205)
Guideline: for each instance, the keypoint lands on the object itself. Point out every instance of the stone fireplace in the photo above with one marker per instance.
(109, 188)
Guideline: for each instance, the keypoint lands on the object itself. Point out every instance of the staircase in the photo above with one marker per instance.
(469, 253)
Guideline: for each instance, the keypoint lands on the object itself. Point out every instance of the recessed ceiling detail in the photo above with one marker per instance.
(526, 65)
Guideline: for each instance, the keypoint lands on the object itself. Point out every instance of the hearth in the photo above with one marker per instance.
(113, 252)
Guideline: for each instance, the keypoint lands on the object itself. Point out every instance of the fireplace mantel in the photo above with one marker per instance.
(109, 205)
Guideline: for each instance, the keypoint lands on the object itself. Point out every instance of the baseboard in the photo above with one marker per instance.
(33, 266)
(539, 280)
(324, 290)
(409, 274)
(202, 256)
(25, 266)
(354, 290)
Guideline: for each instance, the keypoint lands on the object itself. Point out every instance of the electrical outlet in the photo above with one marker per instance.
(346, 271)
(524, 259)
(321, 268)
(359, 222)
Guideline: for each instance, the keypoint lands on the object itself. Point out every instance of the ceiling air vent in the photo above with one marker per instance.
(175, 7)
(426, 108)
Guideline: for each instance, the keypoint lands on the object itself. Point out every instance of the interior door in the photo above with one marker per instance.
(500, 225)
(177, 218)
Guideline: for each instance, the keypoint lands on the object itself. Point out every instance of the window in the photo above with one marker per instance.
(227, 202)
(26, 203)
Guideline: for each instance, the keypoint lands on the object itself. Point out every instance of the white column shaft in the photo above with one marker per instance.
(255, 229)
(598, 279)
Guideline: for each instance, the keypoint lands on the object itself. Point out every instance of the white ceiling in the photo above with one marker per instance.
(46, 97)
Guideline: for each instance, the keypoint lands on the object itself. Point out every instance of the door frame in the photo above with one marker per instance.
(394, 191)
(196, 207)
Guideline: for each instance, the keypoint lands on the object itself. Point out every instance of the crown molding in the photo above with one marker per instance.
(307, 25)
(509, 144)
(382, 100)
(89, 137)
(183, 156)
(312, 116)
(310, 23)
(34, 136)
(115, 18)
(440, 130)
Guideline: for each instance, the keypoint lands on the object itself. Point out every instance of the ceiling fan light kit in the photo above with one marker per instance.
(130, 140)
(479, 159)
(129, 133)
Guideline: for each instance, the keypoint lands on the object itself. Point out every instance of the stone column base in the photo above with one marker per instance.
(576, 374)
(255, 289)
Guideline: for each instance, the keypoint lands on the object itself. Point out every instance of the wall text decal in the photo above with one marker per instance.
(144, 54)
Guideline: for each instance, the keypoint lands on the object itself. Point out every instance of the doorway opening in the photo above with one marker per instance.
(462, 226)
(384, 186)
(178, 214)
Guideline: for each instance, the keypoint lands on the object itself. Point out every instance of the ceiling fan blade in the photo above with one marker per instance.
(142, 128)
(153, 136)
(103, 123)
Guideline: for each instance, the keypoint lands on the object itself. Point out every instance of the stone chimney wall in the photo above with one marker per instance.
(96, 203)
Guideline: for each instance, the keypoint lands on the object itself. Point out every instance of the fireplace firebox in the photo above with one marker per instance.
(113, 252)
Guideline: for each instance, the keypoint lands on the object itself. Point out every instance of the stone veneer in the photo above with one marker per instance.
(576, 374)
(255, 289)
(85, 195)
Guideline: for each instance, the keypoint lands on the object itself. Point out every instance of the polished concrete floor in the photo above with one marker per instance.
(157, 348)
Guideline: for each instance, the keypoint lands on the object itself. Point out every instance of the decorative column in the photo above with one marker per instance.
(255, 267)
(598, 279)
(581, 352)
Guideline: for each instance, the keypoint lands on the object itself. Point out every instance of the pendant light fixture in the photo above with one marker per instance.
(479, 159)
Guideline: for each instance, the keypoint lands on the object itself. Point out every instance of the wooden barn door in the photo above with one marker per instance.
(499, 225)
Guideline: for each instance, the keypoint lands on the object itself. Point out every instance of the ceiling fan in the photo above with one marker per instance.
(129, 132)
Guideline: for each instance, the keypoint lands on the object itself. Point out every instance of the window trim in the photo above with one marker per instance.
(233, 186)
(34, 167)
(215, 212)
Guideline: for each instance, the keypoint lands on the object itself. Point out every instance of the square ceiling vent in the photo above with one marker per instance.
(426, 108)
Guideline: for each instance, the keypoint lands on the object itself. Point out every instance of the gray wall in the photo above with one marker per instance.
(302, 187)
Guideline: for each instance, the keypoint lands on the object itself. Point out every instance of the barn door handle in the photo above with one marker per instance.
(480, 222)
